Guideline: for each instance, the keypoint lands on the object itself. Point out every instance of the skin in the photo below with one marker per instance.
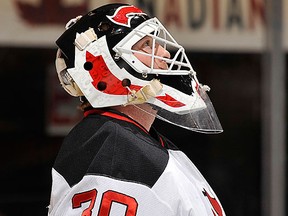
(144, 113)
(145, 45)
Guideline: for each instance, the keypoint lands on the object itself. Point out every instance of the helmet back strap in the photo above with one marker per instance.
(85, 38)
(65, 78)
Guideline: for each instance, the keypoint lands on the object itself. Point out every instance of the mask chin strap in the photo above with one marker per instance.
(145, 93)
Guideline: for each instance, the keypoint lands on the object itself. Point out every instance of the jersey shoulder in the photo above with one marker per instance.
(112, 148)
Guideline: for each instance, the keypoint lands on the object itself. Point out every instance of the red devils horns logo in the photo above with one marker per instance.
(217, 210)
(124, 14)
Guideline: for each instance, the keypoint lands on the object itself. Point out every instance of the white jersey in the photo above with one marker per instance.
(178, 190)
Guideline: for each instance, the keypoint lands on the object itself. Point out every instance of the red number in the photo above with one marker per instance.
(105, 206)
(88, 196)
(112, 196)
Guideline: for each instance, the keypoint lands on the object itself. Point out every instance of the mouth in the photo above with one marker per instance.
(160, 64)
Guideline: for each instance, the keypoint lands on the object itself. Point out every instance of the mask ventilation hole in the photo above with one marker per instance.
(126, 82)
(88, 66)
(101, 86)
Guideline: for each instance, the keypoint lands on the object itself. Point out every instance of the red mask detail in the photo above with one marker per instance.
(101, 73)
(123, 15)
(170, 101)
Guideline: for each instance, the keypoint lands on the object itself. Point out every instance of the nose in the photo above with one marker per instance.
(162, 52)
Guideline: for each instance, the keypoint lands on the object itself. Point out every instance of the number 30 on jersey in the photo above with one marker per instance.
(108, 198)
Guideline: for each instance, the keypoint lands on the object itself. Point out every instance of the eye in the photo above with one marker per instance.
(144, 43)
(147, 43)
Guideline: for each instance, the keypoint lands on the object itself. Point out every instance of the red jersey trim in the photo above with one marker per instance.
(114, 115)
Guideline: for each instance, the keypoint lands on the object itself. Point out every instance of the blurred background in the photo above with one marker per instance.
(237, 47)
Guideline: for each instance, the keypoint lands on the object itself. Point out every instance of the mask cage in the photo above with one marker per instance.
(178, 64)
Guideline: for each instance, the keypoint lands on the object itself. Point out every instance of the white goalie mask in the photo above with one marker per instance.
(98, 58)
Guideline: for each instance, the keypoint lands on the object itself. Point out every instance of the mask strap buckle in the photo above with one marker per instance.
(145, 93)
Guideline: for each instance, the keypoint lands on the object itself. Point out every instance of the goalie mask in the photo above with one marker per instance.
(117, 55)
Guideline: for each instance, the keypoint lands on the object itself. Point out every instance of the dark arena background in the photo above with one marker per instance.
(231, 44)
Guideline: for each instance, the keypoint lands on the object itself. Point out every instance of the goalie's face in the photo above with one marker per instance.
(146, 46)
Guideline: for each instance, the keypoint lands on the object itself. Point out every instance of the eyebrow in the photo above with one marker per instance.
(137, 45)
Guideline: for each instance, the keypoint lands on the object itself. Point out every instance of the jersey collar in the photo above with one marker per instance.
(116, 115)
(120, 116)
